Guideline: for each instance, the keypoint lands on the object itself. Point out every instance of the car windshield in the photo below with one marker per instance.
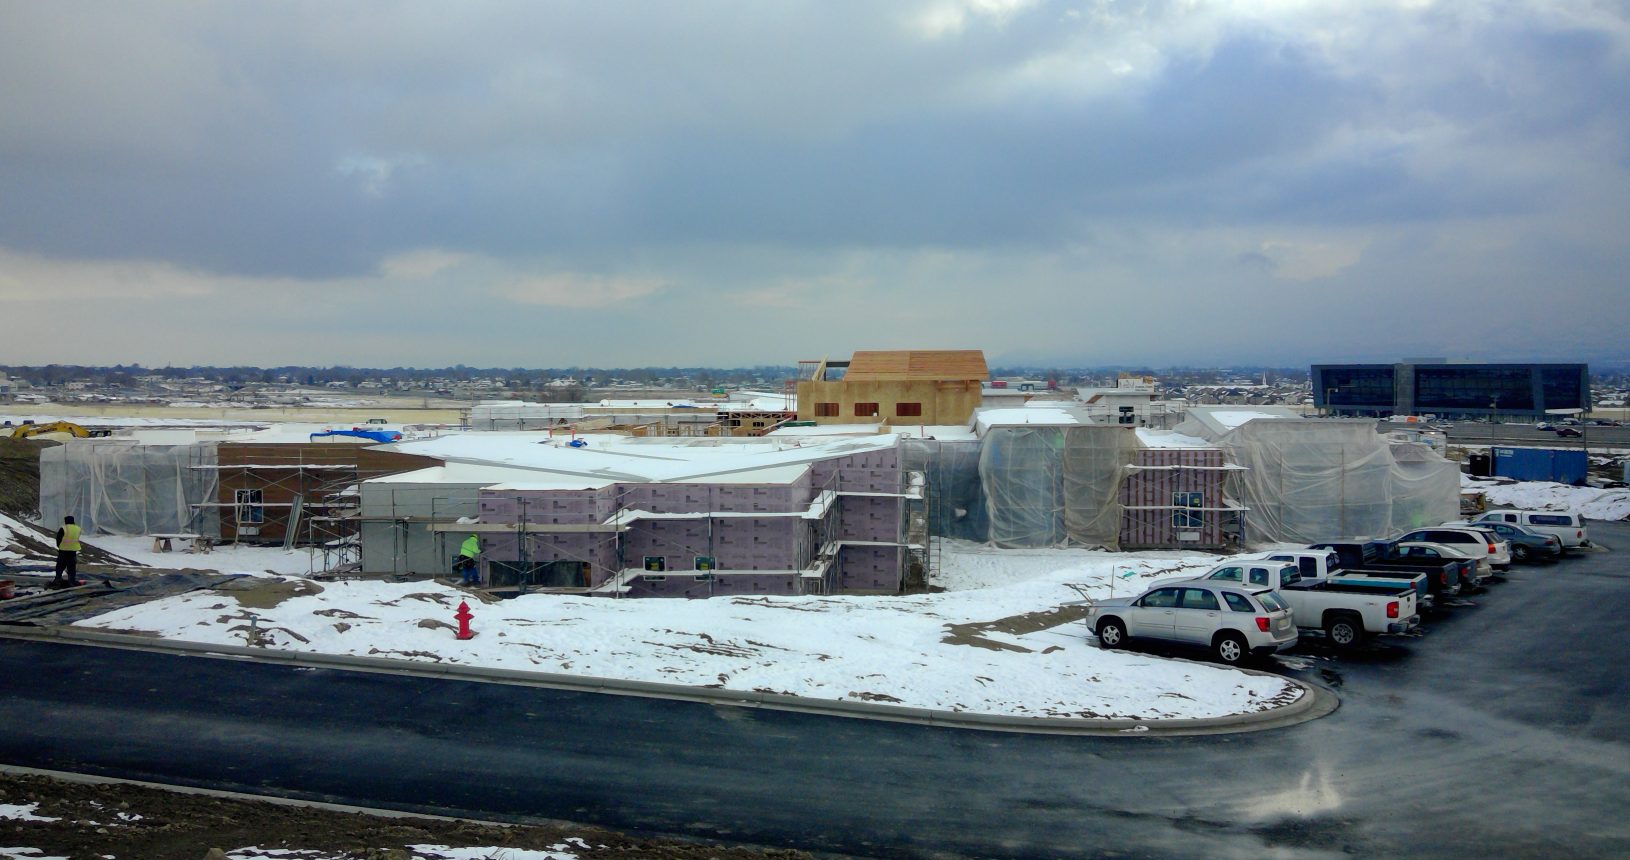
(1271, 601)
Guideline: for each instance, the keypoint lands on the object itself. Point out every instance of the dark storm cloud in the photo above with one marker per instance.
(574, 155)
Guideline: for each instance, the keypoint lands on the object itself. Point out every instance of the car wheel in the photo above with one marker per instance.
(1111, 634)
(1230, 648)
(1344, 632)
(1519, 553)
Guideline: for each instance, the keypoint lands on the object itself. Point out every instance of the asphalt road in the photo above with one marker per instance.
(1504, 731)
(1603, 438)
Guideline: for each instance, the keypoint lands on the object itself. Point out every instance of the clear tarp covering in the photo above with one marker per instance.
(115, 487)
(955, 498)
(1425, 487)
(1319, 480)
(1095, 461)
(1054, 485)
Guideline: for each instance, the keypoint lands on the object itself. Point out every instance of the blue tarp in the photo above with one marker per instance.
(376, 435)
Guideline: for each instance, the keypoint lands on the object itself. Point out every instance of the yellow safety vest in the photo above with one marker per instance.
(472, 546)
(70, 538)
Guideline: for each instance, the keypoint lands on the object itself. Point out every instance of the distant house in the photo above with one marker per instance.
(904, 387)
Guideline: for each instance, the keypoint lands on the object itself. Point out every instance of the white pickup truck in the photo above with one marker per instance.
(1347, 614)
(1322, 565)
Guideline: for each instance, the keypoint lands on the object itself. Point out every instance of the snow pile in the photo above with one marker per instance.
(22, 812)
(1588, 502)
(982, 650)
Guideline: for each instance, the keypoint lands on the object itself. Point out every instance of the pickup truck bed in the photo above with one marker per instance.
(1443, 579)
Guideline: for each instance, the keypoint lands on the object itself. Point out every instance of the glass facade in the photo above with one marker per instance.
(1451, 389)
(1494, 388)
(1565, 387)
(1355, 387)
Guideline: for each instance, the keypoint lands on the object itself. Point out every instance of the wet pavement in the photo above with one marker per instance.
(1503, 730)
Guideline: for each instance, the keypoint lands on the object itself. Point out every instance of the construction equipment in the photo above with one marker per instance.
(25, 431)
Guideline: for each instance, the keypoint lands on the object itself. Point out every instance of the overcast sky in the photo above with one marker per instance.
(698, 183)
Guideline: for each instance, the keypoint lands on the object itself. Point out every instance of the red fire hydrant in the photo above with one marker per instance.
(463, 615)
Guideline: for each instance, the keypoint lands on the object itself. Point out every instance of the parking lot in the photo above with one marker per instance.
(1502, 730)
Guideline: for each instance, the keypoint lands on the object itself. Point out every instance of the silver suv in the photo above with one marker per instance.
(1234, 621)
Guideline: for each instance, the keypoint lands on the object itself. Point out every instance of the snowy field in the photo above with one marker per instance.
(226, 558)
(1588, 502)
(989, 646)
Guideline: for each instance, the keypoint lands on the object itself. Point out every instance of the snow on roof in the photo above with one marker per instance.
(1236, 417)
(829, 430)
(631, 459)
(942, 432)
(765, 403)
(1170, 439)
(477, 474)
(1220, 420)
(1057, 417)
(675, 403)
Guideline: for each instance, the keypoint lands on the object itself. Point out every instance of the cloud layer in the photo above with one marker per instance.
(1168, 182)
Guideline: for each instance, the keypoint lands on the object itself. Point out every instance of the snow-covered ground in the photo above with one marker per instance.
(226, 558)
(1588, 502)
(984, 647)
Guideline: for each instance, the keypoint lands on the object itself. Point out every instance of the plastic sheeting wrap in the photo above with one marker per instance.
(1095, 464)
(1054, 485)
(1308, 481)
(956, 499)
(1425, 488)
(1022, 471)
(114, 487)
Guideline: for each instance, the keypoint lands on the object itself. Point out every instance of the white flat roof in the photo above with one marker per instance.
(985, 419)
(1170, 439)
(829, 430)
(943, 432)
(609, 457)
(484, 475)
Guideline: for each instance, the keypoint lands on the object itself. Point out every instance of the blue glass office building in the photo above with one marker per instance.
(1450, 390)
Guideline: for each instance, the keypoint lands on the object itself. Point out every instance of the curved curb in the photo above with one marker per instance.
(1314, 702)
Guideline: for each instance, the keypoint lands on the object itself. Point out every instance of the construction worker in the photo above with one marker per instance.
(465, 564)
(67, 554)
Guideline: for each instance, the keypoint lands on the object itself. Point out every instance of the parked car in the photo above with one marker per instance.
(1234, 622)
(1346, 613)
(1526, 544)
(1443, 575)
(1491, 552)
(1471, 579)
(1323, 565)
(1568, 527)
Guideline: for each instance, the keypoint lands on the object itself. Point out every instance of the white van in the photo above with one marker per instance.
(1568, 527)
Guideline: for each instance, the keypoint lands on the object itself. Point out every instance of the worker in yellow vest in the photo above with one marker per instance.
(67, 554)
(465, 564)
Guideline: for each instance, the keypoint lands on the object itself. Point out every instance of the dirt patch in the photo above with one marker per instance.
(135, 821)
(260, 593)
(20, 474)
(1016, 625)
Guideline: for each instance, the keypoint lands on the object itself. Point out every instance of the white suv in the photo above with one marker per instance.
(1232, 620)
(1485, 546)
(1568, 527)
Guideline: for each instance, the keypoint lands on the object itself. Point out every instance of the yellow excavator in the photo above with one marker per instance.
(24, 431)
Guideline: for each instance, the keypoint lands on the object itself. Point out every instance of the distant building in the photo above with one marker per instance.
(1457, 390)
(904, 387)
